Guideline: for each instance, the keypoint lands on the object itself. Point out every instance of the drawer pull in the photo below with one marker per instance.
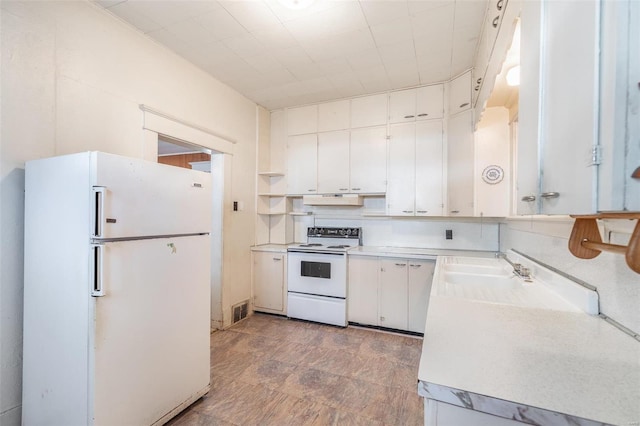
(415, 266)
(343, 189)
(407, 211)
(421, 211)
(455, 211)
(277, 259)
(409, 116)
(422, 115)
(356, 189)
(401, 264)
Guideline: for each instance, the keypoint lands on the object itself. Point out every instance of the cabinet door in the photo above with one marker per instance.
(429, 169)
(460, 93)
(369, 111)
(402, 106)
(420, 279)
(392, 300)
(333, 162)
(460, 165)
(302, 164)
(363, 290)
(268, 281)
(402, 174)
(333, 116)
(368, 160)
(569, 121)
(430, 102)
(302, 120)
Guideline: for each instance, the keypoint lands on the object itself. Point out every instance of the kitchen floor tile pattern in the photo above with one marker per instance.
(268, 370)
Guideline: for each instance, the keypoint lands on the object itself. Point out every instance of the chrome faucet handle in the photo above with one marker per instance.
(517, 267)
(525, 272)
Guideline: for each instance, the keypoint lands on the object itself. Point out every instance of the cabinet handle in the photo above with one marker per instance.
(421, 211)
(407, 211)
(464, 104)
(476, 88)
(528, 198)
(455, 211)
(479, 80)
(499, 5)
(550, 195)
(409, 116)
(343, 189)
(423, 115)
(381, 318)
(401, 264)
(415, 266)
(495, 22)
(311, 190)
(277, 259)
(355, 189)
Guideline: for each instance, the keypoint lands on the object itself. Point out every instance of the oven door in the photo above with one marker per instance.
(322, 274)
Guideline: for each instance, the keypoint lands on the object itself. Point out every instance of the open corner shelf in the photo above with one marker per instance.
(585, 241)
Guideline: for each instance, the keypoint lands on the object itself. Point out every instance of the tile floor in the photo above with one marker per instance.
(269, 370)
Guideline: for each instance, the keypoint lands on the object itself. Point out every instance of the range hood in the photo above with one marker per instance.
(332, 200)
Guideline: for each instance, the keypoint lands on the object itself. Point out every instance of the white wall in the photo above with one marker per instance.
(547, 240)
(73, 77)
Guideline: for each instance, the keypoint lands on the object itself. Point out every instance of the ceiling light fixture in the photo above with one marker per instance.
(513, 76)
(296, 4)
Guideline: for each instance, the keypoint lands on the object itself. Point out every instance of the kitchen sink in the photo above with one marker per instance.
(491, 280)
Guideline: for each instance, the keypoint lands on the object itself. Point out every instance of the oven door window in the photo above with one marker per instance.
(315, 269)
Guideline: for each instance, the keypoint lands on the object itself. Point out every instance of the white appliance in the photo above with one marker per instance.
(317, 275)
(116, 292)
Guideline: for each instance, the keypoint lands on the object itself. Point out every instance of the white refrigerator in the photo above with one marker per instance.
(116, 290)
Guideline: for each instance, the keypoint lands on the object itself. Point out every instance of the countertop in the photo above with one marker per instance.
(565, 362)
(276, 248)
(411, 253)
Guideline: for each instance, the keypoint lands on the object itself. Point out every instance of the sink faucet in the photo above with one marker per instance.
(518, 269)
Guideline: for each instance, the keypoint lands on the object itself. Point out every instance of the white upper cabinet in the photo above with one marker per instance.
(401, 184)
(460, 93)
(302, 164)
(333, 116)
(302, 120)
(560, 102)
(368, 160)
(429, 169)
(415, 182)
(333, 162)
(416, 104)
(430, 102)
(460, 165)
(369, 111)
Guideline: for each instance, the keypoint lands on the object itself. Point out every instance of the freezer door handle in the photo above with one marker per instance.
(99, 193)
(97, 270)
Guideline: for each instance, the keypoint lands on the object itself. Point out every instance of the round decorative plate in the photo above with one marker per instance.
(493, 174)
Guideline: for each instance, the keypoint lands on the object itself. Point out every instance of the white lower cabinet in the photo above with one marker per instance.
(392, 297)
(269, 289)
(389, 292)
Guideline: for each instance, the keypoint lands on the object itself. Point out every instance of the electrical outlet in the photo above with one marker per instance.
(448, 234)
(235, 206)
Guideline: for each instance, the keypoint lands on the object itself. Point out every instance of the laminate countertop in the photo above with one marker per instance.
(541, 366)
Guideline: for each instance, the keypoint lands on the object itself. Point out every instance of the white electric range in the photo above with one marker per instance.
(317, 275)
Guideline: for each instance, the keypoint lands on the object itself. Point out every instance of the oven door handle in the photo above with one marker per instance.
(332, 253)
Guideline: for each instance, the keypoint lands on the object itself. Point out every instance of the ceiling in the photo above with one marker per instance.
(280, 57)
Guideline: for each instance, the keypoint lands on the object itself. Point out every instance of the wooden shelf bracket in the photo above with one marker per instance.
(585, 241)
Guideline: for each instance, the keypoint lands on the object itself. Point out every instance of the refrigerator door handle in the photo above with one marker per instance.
(97, 270)
(99, 193)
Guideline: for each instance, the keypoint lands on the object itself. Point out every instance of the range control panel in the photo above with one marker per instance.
(334, 232)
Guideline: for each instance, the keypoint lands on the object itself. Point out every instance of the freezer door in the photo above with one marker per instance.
(137, 198)
(150, 334)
